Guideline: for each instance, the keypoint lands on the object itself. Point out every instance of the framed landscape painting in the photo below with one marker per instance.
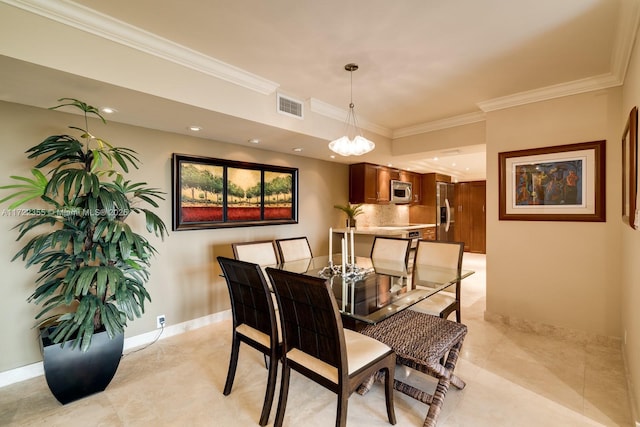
(559, 183)
(217, 193)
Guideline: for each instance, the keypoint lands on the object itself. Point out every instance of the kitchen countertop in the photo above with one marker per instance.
(385, 229)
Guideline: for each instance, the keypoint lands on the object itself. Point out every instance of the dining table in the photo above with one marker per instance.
(373, 299)
(382, 288)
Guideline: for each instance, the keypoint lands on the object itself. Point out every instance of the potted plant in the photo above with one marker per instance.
(92, 267)
(352, 212)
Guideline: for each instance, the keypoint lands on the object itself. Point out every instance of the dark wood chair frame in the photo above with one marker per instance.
(252, 305)
(311, 322)
(280, 251)
(454, 306)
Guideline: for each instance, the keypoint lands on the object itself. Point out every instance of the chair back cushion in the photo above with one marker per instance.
(432, 253)
(309, 317)
(294, 249)
(390, 249)
(251, 301)
(261, 253)
(439, 254)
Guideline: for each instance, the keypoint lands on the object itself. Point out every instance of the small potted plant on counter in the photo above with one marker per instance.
(92, 267)
(352, 212)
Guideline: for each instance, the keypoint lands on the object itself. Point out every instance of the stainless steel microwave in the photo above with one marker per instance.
(401, 192)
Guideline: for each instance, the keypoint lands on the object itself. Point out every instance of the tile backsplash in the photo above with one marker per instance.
(376, 215)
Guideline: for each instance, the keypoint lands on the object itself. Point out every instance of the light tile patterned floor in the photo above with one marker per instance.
(513, 378)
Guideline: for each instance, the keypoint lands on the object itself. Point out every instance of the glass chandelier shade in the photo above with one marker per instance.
(358, 145)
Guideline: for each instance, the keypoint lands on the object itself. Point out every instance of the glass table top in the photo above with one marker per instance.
(382, 289)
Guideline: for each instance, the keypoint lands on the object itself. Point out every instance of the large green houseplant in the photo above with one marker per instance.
(92, 267)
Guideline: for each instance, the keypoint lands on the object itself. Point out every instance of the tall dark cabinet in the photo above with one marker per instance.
(471, 215)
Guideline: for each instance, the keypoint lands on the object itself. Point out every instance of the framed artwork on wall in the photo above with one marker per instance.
(218, 193)
(630, 169)
(559, 183)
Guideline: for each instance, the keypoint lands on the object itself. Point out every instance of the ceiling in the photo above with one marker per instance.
(424, 65)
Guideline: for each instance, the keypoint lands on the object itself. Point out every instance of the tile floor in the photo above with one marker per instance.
(513, 378)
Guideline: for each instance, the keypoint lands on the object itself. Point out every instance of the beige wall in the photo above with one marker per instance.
(564, 274)
(185, 282)
(443, 139)
(631, 251)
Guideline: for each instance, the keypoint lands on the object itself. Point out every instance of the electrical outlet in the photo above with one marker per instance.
(160, 321)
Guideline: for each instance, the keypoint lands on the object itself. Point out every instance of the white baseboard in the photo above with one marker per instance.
(36, 369)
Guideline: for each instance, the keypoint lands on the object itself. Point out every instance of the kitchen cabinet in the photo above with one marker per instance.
(425, 211)
(369, 183)
(416, 185)
(470, 206)
(429, 233)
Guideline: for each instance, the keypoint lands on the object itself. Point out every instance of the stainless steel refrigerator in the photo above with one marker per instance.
(445, 211)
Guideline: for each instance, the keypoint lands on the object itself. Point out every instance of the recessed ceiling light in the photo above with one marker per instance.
(297, 149)
(108, 110)
(254, 141)
(435, 158)
(332, 156)
(453, 164)
(195, 128)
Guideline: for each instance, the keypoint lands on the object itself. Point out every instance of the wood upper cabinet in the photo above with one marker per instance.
(425, 211)
(470, 206)
(369, 183)
(416, 185)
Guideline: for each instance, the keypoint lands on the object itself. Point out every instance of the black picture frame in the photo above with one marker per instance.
(211, 193)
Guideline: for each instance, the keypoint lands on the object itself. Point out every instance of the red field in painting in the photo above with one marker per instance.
(206, 214)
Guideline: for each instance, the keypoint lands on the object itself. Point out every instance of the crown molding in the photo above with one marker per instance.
(446, 123)
(90, 21)
(551, 92)
(628, 21)
(333, 112)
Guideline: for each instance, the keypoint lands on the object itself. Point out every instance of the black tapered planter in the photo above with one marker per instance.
(73, 374)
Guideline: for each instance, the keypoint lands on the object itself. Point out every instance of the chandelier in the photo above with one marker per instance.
(344, 145)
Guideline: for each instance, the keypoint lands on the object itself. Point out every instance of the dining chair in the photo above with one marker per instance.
(293, 249)
(394, 250)
(316, 345)
(261, 252)
(255, 322)
(433, 253)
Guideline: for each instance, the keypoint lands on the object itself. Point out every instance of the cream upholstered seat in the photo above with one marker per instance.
(262, 252)
(316, 345)
(389, 255)
(431, 253)
(258, 252)
(293, 249)
(255, 322)
(386, 249)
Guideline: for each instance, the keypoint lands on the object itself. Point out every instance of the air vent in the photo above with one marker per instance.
(290, 107)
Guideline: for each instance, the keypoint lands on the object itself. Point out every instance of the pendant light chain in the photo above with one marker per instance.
(344, 145)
